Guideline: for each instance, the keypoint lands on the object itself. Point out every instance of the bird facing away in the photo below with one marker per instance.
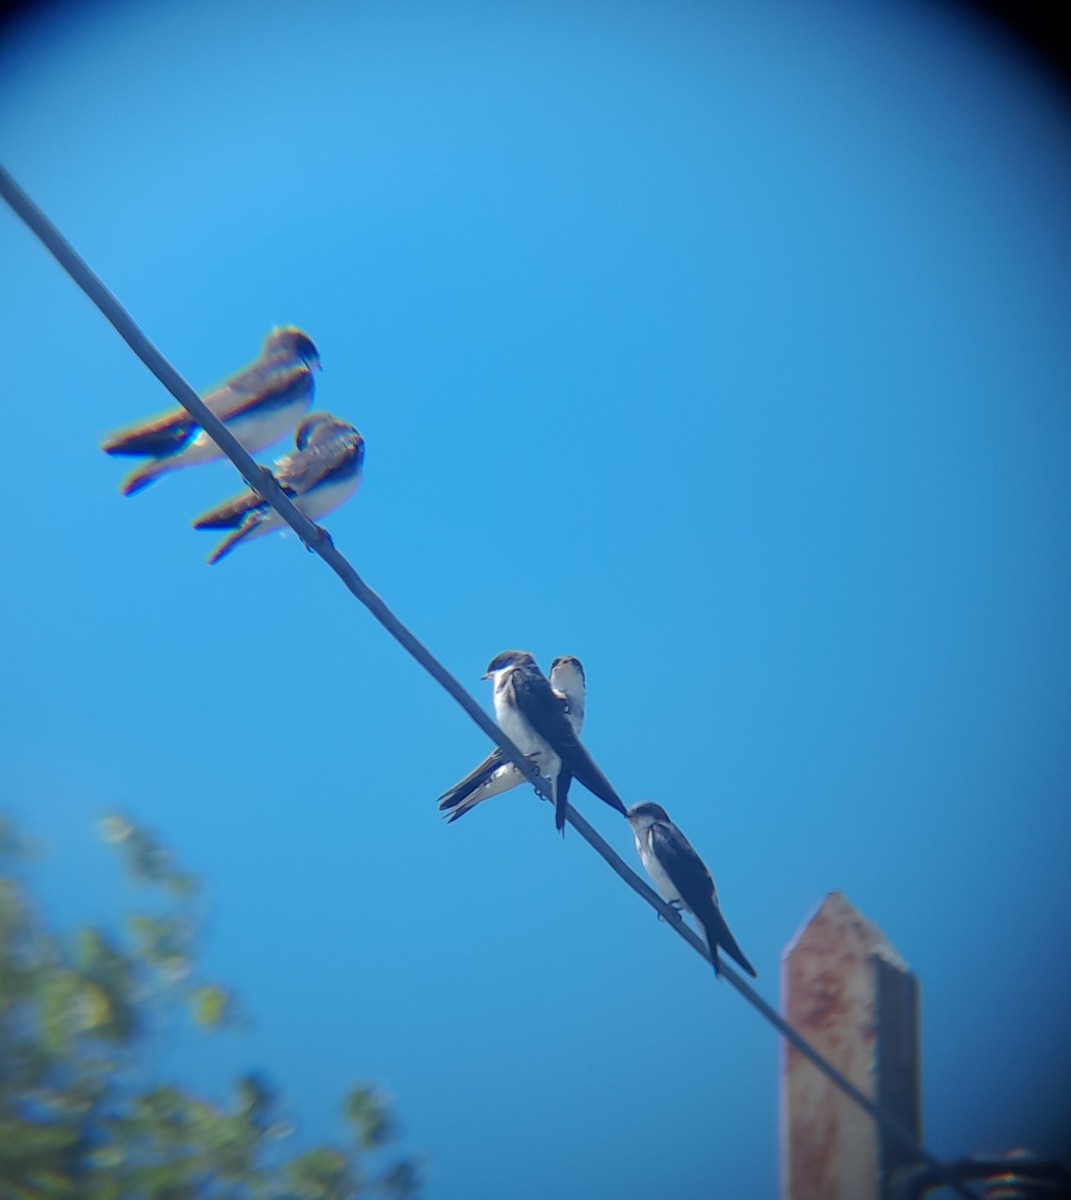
(682, 877)
(259, 405)
(533, 718)
(496, 774)
(323, 472)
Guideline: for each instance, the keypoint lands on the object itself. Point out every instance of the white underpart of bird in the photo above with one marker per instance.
(659, 876)
(517, 729)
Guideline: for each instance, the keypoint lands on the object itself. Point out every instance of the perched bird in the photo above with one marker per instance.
(682, 877)
(533, 717)
(259, 405)
(322, 473)
(496, 774)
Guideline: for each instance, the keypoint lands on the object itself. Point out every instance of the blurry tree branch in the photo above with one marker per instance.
(77, 1020)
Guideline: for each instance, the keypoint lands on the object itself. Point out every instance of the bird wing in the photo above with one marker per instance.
(259, 376)
(327, 450)
(231, 513)
(693, 881)
(159, 436)
(541, 707)
(474, 780)
(162, 436)
(273, 389)
(251, 380)
(166, 434)
(249, 526)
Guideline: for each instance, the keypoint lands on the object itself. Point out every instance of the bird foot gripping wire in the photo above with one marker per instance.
(676, 906)
(263, 475)
(321, 541)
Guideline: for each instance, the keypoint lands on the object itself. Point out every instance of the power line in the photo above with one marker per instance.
(319, 541)
(893, 1127)
(261, 480)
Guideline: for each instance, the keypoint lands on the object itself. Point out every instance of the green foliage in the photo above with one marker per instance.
(147, 858)
(369, 1116)
(78, 1020)
(321, 1175)
(212, 1006)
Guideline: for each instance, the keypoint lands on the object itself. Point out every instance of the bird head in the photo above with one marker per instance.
(287, 341)
(308, 427)
(568, 664)
(509, 659)
(642, 816)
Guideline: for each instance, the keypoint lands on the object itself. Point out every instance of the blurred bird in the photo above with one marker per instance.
(682, 877)
(259, 405)
(496, 774)
(322, 473)
(532, 717)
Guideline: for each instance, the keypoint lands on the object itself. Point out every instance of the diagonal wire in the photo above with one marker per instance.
(261, 480)
(892, 1126)
(319, 541)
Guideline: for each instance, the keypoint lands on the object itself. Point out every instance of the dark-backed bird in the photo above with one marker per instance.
(323, 472)
(682, 877)
(533, 718)
(496, 774)
(259, 405)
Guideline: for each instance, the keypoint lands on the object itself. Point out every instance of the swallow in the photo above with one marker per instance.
(259, 405)
(532, 717)
(323, 472)
(496, 774)
(682, 877)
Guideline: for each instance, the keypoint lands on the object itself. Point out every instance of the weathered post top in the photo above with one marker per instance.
(851, 995)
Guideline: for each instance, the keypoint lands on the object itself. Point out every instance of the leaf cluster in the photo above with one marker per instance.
(80, 1020)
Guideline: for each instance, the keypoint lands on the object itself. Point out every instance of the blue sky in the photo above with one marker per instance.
(721, 346)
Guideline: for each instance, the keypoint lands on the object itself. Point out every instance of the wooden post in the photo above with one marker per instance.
(848, 992)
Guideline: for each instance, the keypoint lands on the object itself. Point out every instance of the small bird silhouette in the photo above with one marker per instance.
(322, 472)
(259, 405)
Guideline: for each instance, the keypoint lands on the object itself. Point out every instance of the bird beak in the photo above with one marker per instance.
(488, 675)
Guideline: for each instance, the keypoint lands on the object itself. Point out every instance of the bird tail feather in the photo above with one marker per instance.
(561, 800)
(228, 544)
(596, 782)
(718, 934)
(148, 473)
(492, 777)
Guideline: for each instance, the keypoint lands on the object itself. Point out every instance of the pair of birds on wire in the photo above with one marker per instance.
(543, 718)
(260, 404)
